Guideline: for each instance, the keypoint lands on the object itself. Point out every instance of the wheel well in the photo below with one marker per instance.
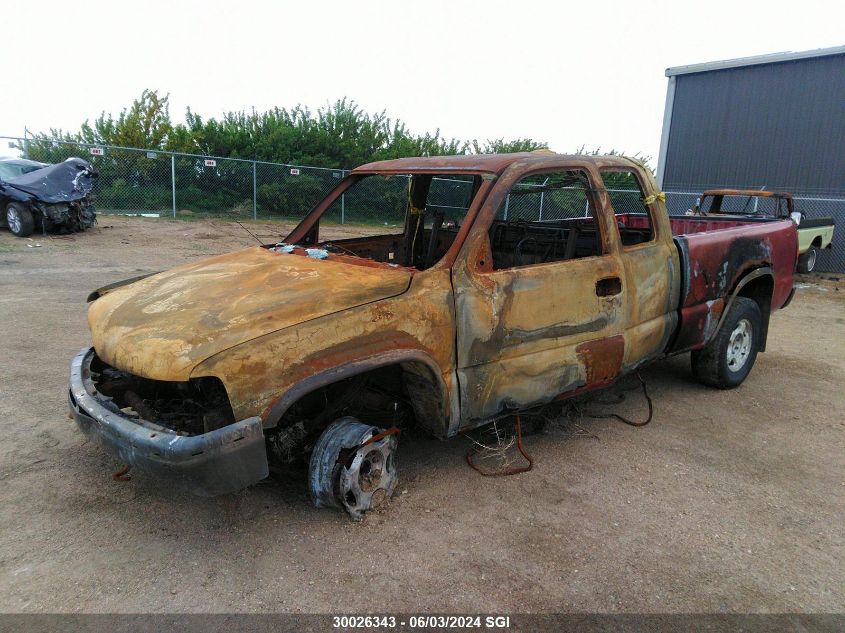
(760, 289)
(427, 396)
(404, 393)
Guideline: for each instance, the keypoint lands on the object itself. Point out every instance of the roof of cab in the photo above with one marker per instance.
(482, 163)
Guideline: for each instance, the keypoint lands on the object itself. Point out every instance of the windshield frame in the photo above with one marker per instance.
(310, 222)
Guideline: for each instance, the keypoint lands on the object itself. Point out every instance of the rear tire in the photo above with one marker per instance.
(19, 219)
(728, 358)
(807, 261)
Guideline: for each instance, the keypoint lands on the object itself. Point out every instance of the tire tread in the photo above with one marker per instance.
(707, 363)
(27, 221)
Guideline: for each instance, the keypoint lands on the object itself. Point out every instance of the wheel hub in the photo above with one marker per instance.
(811, 259)
(13, 220)
(739, 345)
(368, 481)
(350, 471)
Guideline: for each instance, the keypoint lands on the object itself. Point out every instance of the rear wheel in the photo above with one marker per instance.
(728, 358)
(807, 261)
(19, 219)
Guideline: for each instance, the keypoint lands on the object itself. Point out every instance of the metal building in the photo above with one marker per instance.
(773, 121)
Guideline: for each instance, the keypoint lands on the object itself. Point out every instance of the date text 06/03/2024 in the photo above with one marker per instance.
(422, 622)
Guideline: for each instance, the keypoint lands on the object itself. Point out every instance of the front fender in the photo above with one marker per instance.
(253, 386)
(264, 376)
(10, 194)
(433, 408)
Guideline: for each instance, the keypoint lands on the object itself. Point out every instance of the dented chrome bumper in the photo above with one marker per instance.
(214, 463)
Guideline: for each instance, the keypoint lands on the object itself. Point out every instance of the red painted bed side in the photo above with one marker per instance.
(716, 258)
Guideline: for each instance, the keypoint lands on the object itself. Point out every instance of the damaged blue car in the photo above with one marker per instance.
(37, 196)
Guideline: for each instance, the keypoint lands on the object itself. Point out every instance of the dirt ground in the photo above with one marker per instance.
(729, 501)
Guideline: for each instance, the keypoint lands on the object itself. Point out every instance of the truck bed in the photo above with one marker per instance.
(715, 253)
(686, 225)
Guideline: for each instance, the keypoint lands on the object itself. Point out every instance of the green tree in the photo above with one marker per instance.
(501, 146)
(642, 159)
(340, 135)
(145, 124)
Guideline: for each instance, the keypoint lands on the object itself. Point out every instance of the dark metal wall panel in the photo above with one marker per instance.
(779, 125)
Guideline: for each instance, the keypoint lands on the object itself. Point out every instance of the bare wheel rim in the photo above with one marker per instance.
(13, 219)
(369, 479)
(348, 470)
(739, 345)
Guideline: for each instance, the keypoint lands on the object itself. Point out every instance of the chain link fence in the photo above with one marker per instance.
(562, 203)
(144, 182)
(157, 183)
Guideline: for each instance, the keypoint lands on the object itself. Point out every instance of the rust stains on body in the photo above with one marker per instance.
(602, 359)
(163, 326)
(260, 371)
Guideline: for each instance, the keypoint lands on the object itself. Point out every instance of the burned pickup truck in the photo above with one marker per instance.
(508, 281)
(37, 196)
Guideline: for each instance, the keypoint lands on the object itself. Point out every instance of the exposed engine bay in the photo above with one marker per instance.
(67, 217)
(188, 408)
(201, 405)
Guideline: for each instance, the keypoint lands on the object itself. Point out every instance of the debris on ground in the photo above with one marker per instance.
(498, 450)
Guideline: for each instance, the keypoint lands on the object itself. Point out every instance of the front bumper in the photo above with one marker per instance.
(214, 463)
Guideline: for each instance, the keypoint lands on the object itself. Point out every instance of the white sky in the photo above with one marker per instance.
(587, 73)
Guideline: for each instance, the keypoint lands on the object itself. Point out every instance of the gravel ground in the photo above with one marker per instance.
(729, 501)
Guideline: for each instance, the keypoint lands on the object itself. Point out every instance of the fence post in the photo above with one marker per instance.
(342, 200)
(254, 193)
(542, 198)
(173, 181)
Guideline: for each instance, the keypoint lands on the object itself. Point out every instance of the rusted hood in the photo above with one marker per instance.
(162, 326)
